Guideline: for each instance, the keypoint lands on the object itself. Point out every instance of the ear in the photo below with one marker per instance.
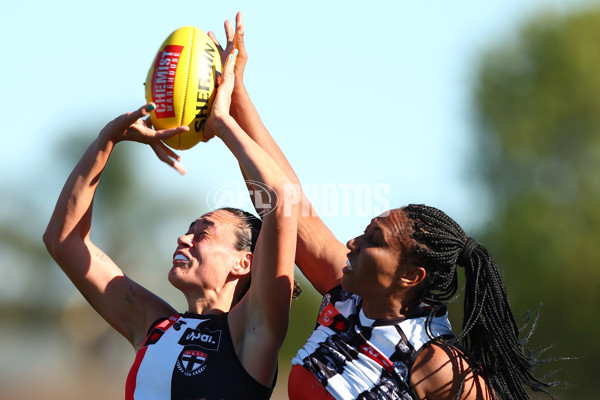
(243, 266)
(413, 276)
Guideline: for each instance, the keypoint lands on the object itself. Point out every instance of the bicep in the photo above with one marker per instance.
(127, 306)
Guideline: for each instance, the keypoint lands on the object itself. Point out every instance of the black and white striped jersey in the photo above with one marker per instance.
(355, 357)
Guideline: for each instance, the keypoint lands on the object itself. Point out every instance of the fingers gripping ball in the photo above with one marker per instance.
(182, 82)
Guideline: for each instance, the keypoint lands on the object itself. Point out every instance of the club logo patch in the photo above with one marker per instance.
(331, 318)
(191, 362)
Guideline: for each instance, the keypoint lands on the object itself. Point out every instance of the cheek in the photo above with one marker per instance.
(381, 268)
(215, 265)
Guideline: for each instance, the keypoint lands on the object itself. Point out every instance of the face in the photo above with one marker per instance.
(375, 257)
(206, 253)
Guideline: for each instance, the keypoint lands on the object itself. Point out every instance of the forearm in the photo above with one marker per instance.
(246, 115)
(319, 255)
(73, 212)
(255, 162)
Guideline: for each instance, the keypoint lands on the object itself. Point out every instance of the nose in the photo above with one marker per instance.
(351, 244)
(185, 240)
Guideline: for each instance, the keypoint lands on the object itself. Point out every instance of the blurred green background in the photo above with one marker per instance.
(533, 164)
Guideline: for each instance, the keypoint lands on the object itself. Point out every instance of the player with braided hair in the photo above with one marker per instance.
(382, 331)
(489, 330)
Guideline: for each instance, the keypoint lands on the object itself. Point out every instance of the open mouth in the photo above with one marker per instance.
(180, 257)
(348, 265)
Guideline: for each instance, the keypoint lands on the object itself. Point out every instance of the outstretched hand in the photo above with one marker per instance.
(216, 122)
(235, 40)
(132, 127)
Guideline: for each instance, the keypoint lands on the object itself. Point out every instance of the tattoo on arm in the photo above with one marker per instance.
(101, 256)
(130, 295)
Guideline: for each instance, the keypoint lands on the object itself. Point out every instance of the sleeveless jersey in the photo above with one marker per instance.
(354, 357)
(191, 356)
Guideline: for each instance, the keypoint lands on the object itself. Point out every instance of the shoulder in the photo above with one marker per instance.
(440, 370)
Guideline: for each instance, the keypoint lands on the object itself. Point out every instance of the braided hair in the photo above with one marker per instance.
(489, 331)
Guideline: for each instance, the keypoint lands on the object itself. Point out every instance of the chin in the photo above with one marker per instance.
(346, 283)
(173, 276)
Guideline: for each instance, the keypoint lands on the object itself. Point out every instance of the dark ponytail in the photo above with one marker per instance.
(489, 331)
(248, 229)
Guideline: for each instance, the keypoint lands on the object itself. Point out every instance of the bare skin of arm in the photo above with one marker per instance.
(439, 371)
(124, 304)
(319, 254)
(259, 322)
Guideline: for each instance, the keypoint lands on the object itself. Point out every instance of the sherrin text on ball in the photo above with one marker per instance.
(182, 82)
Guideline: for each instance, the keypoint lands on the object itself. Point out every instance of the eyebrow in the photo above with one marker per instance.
(374, 228)
(203, 221)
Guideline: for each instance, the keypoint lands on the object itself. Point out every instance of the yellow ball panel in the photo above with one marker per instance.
(182, 81)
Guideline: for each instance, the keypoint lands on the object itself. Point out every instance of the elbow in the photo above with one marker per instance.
(289, 196)
(54, 242)
(50, 242)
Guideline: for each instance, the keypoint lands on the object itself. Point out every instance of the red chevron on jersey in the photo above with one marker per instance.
(374, 354)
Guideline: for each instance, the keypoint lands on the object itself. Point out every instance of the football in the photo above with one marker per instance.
(181, 82)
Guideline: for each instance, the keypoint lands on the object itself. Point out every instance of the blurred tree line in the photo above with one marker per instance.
(537, 108)
(537, 103)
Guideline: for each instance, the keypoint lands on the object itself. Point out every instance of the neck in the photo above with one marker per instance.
(380, 307)
(210, 303)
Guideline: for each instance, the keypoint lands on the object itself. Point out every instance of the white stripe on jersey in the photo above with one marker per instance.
(153, 380)
(363, 374)
(358, 376)
(415, 329)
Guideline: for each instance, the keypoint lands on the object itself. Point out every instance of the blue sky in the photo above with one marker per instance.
(358, 94)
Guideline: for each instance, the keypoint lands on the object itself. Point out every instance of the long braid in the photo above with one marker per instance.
(489, 331)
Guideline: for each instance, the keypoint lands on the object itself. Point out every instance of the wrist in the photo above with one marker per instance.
(238, 87)
(224, 125)
(106, 136)
(228, 128)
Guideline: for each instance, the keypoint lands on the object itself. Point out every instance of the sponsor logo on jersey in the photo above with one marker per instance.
(202, 338)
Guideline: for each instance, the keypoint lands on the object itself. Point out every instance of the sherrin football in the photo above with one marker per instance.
(181, 82)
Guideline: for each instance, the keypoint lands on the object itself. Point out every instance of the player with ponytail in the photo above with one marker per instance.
(382, 331)
(489, 332)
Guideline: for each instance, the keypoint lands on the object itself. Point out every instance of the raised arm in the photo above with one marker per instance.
(319, 254)
(260, 320)
(124, 304)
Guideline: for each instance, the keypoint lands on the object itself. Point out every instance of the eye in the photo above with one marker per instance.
(200, 235)
(376, 238)
(367, 238)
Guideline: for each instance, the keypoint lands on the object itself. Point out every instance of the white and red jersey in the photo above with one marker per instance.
(191, 356)
(354, 357)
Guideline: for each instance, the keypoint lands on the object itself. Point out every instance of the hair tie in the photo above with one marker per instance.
(465, 254)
